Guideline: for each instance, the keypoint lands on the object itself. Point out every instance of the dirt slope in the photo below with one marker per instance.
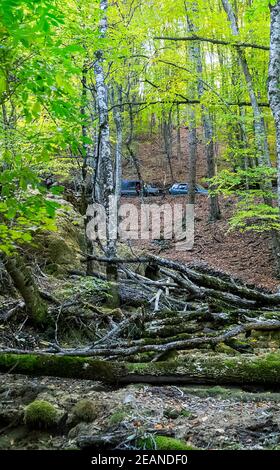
(245, 255)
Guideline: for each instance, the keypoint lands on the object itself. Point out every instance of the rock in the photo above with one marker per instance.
(60, 250)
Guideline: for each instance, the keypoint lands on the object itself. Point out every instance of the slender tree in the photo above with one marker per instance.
(274, 79)
(105, 165)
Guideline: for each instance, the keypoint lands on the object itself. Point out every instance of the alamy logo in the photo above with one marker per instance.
(147, 222)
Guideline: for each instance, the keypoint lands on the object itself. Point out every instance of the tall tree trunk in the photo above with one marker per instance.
(104, 148)
(214, 209)
(192, 158)
(87, 186)
(85, 146)
(178, 136)
(244, 144)
(128, 143)
(167, 139)
(23, 281)
(274, 80)
(117, 112)
(274, 98)
(193, 56)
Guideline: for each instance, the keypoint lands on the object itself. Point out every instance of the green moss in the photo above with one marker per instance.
(86, 410)
(186, 413)
(142, 357)
(168, 443)
(40, 414)
(217, 391)
(224, 348)
(117, 417)
(173, 413)
(220, 369)
(61, 366)
(191, 368)
(163, 443)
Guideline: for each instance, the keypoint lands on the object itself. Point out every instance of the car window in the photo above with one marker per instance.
(182, 186)
(129, 184)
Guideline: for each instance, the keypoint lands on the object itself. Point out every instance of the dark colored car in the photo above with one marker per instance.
(131, 188)
(183, 188)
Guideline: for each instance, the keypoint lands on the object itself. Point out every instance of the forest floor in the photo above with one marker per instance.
(204, 417)
(247, 255)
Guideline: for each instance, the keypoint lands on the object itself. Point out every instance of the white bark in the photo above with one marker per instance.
(274, 80)
(105, 164)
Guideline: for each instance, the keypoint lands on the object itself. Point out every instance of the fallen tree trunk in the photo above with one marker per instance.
(193, 368)
(129, 348)
(200, 283)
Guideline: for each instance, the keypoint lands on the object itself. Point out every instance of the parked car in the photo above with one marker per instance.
(151, 190)
(183, 188)
(131, 188)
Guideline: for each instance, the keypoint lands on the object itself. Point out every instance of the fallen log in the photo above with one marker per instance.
(192, 369)
(217, 283)
(127, 350)
(197, 279)
(105, 441)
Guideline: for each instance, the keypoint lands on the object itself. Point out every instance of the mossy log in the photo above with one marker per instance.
(192, 369)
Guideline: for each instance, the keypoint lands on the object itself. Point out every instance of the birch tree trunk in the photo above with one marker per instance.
(105, 164)
(274, 80)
